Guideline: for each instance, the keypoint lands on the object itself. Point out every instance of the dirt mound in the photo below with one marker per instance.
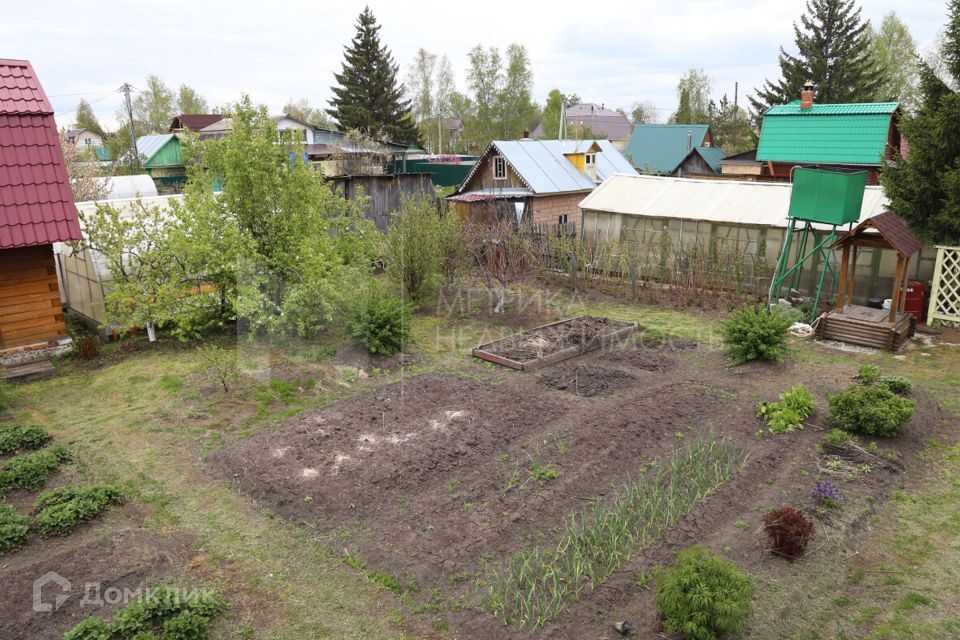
(643, 359)
(586, 379)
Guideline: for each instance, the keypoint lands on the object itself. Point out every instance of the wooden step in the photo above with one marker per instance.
(30, 371)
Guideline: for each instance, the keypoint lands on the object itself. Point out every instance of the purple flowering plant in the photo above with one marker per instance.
(827, 494)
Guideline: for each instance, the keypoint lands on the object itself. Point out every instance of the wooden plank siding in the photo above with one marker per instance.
(30, 310)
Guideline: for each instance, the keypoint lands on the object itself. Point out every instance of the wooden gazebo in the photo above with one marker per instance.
(864, 325)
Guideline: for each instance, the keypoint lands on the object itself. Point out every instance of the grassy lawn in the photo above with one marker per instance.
(145, 420)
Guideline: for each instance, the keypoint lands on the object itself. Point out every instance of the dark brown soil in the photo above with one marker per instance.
(586, 379)
(429, 479)
(130, 559)
(542, 341)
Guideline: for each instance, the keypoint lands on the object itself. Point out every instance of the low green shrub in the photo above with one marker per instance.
(59, 511)
(31, 470)
(382, 324)
(703, 596)
(873, 410)
(838, 437)
(18, 437)
(6, 395)
(14, 528)
(897, 384)
(756, 334)
(162, 613)
(868, 374)
(789, 412)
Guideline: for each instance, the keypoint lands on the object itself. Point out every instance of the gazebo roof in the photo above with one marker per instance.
(894, 233)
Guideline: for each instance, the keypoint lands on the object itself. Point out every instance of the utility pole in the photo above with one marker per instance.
(126, 89)
(736, 90)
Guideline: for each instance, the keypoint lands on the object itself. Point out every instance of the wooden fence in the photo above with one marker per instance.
(945, 295)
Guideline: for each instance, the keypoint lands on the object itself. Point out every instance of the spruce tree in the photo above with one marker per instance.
(367, 96)
(924, 187)
(833, 51)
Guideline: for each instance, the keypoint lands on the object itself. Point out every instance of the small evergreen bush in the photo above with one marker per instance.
(756, 334)
(703, 596)
(14, 528)
(18, 437)
(788, 413)
(162, 614)
(59, 511)
(838, 437)
(868, 374)
(873, 410)
(30, 471)
(789, 531)
(382, 324)
(897, 384)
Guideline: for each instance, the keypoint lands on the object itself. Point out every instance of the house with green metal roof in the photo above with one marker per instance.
(860, 136)
(673, 150)
(162, 159)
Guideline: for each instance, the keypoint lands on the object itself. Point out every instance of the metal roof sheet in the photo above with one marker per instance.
(712, 156)
(36, 205)
(660, 148)
(147, 146)
(542, 164)
(762, 204)
(826, 133)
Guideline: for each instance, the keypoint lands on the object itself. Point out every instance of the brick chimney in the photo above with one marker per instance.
(806, 96)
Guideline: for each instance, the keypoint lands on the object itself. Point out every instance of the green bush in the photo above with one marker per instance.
(838, 437)
(30, 471)
(868, 373)
(18, 437)
(897, 384)
(162, 614)
(754, 333)
(60, 511)
(703, 596)
(14, 528)
(382, 324)
(788, 413)
(6, 395)
(873, 410)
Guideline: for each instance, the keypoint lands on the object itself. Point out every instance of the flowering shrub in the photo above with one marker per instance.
(827, 494)
(789, 530)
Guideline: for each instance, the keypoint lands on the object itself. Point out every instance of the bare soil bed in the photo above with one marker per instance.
(548, 343)
(430, 480)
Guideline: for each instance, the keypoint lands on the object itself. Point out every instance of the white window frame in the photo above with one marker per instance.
(591, 159)
(499, 168)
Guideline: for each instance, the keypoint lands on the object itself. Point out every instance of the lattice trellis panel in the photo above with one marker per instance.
(945, 297)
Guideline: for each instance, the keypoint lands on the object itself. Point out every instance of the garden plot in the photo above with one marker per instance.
(436, 483)
(554, 342)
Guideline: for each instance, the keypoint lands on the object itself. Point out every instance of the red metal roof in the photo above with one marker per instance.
(36, 205)
(194, 121)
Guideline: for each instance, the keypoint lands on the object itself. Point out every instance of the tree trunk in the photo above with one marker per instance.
(501, 299)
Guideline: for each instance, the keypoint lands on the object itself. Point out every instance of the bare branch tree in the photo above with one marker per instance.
(500, 253)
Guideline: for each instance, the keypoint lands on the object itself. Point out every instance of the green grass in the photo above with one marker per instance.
(536, 585)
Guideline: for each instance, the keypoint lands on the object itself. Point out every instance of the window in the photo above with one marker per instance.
(591, 159)
(87, 141)
(562, 219)
(499, 168)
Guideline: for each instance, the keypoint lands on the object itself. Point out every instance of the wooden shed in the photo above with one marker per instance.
(36, 211)
(864, 325)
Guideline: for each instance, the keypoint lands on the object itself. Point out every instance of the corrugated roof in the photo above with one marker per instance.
(725, 201)
(36, 205)
(660, 148)
(712, 156)
(826, 133)
(542, 165)
(148, 146)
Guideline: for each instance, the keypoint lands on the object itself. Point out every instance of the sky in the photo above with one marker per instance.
(618, 52)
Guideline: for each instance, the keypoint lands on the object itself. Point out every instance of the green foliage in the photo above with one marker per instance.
(873, 410)
(703, 596)
(868, 373)
(542, 473)
(693, 96)
(894, 52)
(6, 395)
(14, 528)
(368, 97)
(382, 324)
(833, 51)
(536, 585)
(924, 188)
(421, 244)
(162, 613)
(59, 511)
(756, 334)
(897, 384)
(788, 413)
(18, 437)
(838, 437)
(501, 105)
(30, 471)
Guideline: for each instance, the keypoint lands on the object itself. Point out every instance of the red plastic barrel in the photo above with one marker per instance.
(915, 299)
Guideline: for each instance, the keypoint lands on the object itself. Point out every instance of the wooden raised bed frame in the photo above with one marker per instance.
(618, 330)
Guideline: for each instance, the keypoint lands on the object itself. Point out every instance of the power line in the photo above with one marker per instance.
(92, 102)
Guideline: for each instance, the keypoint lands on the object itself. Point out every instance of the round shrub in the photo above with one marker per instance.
(703, 596)
(897, 384)
(754, 333)
(873, 410)
(382, 324)
(789, 531)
